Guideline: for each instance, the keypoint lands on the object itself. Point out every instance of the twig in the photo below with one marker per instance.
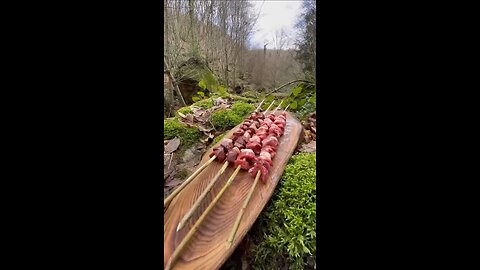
(171, 158)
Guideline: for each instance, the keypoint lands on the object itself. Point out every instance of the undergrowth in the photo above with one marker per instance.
(204, 103)
(225, 119)
(185, 110)
(242, 109)
(287, 228)
(173, 128)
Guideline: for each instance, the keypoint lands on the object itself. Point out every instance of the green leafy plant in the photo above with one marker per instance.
(209, 82)
(288, 226)
(302, 99)
(173, 128)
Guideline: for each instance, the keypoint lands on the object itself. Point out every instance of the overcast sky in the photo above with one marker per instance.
(275, 15)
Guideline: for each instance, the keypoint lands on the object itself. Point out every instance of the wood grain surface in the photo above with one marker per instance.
(206, 250)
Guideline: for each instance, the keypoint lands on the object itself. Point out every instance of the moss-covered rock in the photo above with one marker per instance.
(225, 119)
(243, 99)
(185, 110)
(173, 128)
(204, 103)
(242, 109)
(287, 228)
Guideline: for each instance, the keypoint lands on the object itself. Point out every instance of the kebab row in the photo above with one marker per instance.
(262, 163)
(251, 148)
(232, 151)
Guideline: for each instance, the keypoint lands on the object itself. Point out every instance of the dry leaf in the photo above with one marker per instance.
(174, 183)
(310, 147)
(172, 146)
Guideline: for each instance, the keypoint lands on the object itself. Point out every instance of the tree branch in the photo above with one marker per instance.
(294, 81)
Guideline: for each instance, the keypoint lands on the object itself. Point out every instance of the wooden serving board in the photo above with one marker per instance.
(206, 250)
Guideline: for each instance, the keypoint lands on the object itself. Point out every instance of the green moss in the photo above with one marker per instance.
(243, 99)
(225, 119)
(185, 110)
(250, 94)
(173, 128)
(205, 103)
(242, 109)
(288, 225)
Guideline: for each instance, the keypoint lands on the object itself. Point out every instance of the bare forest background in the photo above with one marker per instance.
(211, 38)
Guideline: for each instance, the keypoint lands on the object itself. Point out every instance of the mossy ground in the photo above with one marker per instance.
(185, 110)
(286, 230)
(204, 103)
(173, 128)
(229, 118)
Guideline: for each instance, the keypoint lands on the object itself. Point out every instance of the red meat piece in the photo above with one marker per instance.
(227, 143)
(279, 121)
(238, 132)
(271, 140)
(247, 154)
(262, 136)
(231, 156)
(244, 164)
(246, 136)
(254, 146)
(255, 138)
(267, 122)
(219, 153)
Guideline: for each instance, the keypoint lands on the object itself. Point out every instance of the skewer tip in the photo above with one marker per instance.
(179, 226)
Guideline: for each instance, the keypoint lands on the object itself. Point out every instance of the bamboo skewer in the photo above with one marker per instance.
(198, 171)
(202, 196)
(185, 183)
(277, 107)
(269, 107)
(187, 238)
(242, 211)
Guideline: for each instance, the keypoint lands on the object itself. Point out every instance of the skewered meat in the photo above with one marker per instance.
(238, 132)
(267, 122)
(245, 159)
(254, 146)
(227, 143)
(246, 136)
(220, 153)
(232, 154)
(255, 138)
(270, 140)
